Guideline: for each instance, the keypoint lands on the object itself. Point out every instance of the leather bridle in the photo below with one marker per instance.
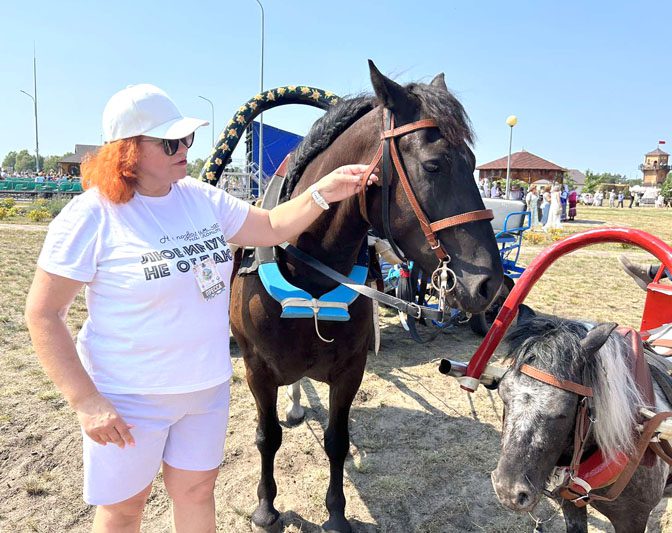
(388, 153)
(576, 489)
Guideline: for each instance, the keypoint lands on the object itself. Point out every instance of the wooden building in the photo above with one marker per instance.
(655, 168)
(525, 166)
(70, 164)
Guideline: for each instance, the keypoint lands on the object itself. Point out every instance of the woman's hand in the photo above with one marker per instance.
(343, 182)
(102, 423)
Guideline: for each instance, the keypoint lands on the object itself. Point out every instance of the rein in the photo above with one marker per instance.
(410, 308)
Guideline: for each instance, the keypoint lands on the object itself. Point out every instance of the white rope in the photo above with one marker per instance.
(315, 305)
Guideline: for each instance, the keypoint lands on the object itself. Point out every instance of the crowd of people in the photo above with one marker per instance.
(38, 177)
(549, 205)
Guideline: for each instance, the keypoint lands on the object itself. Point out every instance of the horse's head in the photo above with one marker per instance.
(440, 166)
(539, 419)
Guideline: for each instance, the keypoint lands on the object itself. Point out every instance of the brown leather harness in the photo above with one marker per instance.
(388, 153)
(443, 278)
(596, 471)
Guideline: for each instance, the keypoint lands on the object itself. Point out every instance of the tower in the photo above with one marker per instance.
(655, 167)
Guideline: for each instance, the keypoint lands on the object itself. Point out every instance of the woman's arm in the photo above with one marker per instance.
(49, 299)
(268, 228)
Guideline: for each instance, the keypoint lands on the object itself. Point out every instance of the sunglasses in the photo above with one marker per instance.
(170, 146)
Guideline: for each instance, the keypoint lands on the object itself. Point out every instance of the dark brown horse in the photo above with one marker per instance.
(280, 351)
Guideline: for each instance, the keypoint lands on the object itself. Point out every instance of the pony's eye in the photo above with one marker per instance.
(431, 166)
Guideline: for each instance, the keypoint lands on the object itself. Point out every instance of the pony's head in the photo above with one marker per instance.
(440, 166)
(539, 419)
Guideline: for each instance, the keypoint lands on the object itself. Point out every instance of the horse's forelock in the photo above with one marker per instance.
(553, 343)
(446, 110)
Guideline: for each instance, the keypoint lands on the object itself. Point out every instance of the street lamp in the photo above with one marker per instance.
(212, 122)
(34, 99)
(261, 90)
(511, 121)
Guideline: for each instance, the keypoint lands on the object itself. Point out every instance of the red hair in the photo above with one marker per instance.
(112, 169)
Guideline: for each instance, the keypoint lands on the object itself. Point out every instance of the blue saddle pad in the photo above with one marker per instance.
(297, 303)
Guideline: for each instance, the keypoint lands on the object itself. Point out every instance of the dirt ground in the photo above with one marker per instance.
(421, 448)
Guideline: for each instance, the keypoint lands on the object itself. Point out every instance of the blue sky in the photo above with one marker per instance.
(590, 82)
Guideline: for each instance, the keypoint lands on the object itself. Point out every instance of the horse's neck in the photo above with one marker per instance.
(337, 235)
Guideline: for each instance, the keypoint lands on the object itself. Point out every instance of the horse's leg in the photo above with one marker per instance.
(337, 443)
(576, 518)
(269, 437)
(294, 411)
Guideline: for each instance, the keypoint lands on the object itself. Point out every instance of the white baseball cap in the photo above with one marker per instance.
(145, 109)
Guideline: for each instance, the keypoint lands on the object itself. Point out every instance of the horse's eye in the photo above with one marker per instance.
(431, 166)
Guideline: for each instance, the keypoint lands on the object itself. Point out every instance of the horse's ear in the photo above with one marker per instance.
(440, 82)
(596, 338)
(525, 313)
(391, 94)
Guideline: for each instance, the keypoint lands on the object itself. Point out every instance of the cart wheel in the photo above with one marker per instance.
(481, 322)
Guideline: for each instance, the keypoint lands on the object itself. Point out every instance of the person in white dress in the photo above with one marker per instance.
(532, 200)
(555, 210)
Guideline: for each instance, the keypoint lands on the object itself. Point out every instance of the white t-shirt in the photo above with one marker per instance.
(149, 330)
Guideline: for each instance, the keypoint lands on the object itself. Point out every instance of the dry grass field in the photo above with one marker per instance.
(422, 450)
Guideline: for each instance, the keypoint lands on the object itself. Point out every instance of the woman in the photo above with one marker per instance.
(149, 374)
(564, 193)
(571, 201)
(545, 205)
(531, 200)
(554, 210)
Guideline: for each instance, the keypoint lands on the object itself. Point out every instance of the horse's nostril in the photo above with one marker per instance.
(522, 499)
(484, 288)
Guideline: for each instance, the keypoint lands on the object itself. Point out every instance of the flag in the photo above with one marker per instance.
(661, 142)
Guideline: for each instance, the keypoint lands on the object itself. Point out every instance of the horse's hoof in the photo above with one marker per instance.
(275, 527)
(337, 525)
(264, 521)
(294, 418)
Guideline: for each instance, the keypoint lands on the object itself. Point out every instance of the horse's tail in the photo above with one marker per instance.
(231, 134)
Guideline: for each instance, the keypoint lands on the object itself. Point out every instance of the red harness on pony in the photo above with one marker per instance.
(577, 481)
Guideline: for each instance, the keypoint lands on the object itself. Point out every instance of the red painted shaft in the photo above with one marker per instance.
(533, 272)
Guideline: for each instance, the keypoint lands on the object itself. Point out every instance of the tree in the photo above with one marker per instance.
(194, 169)
(51, 161)
(666, 190)
(594, 181)
(9, 161)
(26, 161)
(569, 181)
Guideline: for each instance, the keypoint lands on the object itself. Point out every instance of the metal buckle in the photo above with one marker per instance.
(412, 305)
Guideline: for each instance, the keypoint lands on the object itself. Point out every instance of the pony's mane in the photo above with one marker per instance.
(436, 103)
(552, 344)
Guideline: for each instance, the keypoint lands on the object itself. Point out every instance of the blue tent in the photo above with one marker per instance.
(277, 144)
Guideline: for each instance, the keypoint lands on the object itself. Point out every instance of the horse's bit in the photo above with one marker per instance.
(389, 154)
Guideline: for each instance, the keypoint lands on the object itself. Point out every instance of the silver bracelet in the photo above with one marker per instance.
(319, 199)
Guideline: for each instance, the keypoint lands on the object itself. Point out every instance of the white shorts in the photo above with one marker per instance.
(187, 431)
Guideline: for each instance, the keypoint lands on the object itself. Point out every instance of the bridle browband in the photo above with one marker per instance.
(388, 153)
